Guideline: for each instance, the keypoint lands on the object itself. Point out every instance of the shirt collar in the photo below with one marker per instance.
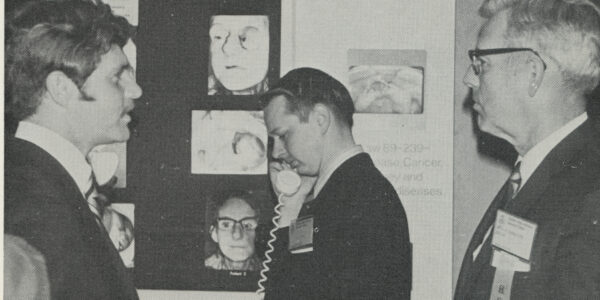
(332, 165)
(61, 149)
(534, 157)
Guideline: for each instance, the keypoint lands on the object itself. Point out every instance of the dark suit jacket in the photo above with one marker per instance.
(563, 197)
(360, 239)
(44, 206)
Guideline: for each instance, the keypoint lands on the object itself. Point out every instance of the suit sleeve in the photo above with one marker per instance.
(379, 265)
(577, 273)
(38, 215)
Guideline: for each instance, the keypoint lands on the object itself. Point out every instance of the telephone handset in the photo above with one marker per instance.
(287, 183)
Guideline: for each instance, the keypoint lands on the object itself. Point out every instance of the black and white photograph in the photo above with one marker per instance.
(110, 163)
(232, 220)
(387, 82)
(118, 220)
(239, 55)
(228, 142)
(292, 149)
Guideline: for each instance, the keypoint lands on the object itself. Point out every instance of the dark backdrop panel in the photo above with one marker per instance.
(172, 66)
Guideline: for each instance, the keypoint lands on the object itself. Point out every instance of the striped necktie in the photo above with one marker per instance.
(91, 196)
(512, 186)
(515, 181)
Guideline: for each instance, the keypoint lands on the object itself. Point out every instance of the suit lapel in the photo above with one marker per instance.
(90, 230)
(471, 269)
(562, 157)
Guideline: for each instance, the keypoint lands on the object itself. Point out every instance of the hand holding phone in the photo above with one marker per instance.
(291, 189)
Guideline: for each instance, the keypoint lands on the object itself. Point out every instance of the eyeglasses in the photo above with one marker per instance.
(476, 63)
(227, 224)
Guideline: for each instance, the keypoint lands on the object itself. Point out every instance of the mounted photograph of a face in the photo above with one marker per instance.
(387, 81)
(239, 55)
(234, 239)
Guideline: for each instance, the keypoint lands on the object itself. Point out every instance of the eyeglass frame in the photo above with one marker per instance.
(474, 54)
(236, 222)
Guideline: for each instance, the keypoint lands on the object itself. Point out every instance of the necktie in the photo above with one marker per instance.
(512, 186)
(94, 200)
(514, 182)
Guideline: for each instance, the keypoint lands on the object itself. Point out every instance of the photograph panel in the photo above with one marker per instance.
(387, 81)
(239, 54)
(228, 142)
(118, 220)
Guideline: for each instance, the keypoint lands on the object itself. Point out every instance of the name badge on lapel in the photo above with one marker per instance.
(512, 241)
(514, 235)
(301, 235)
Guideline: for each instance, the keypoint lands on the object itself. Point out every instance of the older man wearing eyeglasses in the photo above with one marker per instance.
(534, 63)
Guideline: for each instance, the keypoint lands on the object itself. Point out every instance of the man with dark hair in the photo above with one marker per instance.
(348, 234)
(72, 88)
(534, 63)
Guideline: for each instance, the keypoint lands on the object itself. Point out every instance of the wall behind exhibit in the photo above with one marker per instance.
(414, 151)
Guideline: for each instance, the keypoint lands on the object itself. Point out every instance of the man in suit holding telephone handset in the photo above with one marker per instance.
(344, 233)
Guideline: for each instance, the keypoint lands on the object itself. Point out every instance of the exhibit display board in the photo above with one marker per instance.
(199, 141)
(396, 58)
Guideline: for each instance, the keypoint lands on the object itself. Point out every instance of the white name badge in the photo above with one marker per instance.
(301, 235)
(514, 235)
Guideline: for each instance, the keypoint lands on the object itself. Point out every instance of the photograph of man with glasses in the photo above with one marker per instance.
(233, 230)
(533, 67)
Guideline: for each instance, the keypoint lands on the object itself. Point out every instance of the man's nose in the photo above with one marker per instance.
(470, 79)
(131, 89)
(278, 149)
(237, 232)
(232, 45)
(135, 91)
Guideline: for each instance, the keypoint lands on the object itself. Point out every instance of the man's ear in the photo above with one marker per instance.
(536, 75)
(61, 88)
(322, 117)
(213, 234)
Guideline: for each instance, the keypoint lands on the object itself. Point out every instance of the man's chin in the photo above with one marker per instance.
(237, 257)
(123, 136)
(301, 170)
(485, 126)
(239, 82)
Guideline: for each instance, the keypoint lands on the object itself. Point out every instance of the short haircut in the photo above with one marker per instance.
(567, 31)
(303, 88)
(46, 36)
(220, 200)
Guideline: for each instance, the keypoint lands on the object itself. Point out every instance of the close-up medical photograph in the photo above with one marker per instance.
(301, 149)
